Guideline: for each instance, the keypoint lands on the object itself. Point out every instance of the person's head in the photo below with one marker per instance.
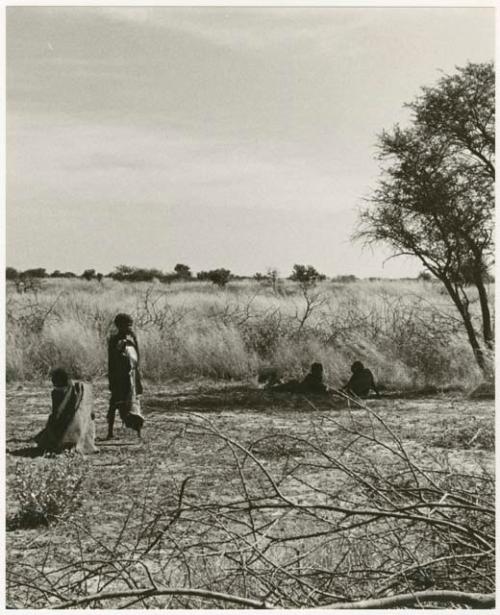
(59, 377)
(357, 366)
(317, 369)
(123, 322)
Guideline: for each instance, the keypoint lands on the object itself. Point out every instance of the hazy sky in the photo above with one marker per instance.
(234, 137)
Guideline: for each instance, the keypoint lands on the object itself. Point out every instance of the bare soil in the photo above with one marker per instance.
(175, 444)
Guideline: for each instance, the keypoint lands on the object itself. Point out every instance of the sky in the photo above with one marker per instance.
(216, 137)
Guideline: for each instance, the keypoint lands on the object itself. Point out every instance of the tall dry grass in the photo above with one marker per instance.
(408, 333)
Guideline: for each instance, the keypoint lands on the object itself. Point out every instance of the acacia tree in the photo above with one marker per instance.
(435, 199)
(183, 271)
(220, 276)
(306, 275)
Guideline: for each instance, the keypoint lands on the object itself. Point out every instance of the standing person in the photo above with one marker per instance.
(361, 381)
(124, 379)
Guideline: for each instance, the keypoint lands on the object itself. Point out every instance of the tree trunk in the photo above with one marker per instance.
(485, 311)
(469, 327)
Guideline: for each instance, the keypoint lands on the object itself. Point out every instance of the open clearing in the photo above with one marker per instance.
(236, 445)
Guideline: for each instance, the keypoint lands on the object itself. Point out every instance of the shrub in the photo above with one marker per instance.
(88, 274)
(306, 275)
(220, 277)
(47, 491)
(11, 273)
(183, 272)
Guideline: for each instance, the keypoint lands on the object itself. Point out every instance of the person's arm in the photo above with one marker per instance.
(111, 362)
(138, 381)
(347, 385)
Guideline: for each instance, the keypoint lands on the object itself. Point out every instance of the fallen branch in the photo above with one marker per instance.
(158, 591)
(481, 601)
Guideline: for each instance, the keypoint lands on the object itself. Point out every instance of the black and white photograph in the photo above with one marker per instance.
(249, 306)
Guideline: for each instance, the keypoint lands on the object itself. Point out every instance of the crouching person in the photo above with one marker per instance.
(71, 424)
(361, 381)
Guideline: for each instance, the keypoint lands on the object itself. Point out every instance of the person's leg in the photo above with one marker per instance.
(111, 418)
(292, 386)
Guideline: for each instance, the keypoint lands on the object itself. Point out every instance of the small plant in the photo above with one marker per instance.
(48, 491)
(457, 435)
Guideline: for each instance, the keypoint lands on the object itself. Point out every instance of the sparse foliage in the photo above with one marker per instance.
(345, 279)
(124, 273)
(424, 276)
(11, 273)
(59, 274)
(270, 278)
(89, 274)
(220, 277)
(38, 272)
(48, 491)
(435, 200)
(183, 271)
(306, 275)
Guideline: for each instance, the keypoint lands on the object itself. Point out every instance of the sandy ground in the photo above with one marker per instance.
(179, 440)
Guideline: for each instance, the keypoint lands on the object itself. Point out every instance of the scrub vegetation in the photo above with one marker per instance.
(237, 498)
(407, 332)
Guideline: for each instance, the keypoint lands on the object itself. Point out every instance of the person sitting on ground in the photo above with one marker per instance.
(268, 377)
(124, 378)
(361, 381)
(71, 423)
(312, 383)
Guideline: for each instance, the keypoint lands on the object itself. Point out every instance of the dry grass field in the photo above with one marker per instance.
(407, 332)
(239, 498)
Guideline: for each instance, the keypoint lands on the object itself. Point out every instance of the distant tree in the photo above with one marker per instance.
(99, 277)
(124, 273)
(270, 278)
(202, 275)
(306, 275)
(435, 200)
(56, 274)
(88, 274)
(68, 274)
(38, 272)
(183, 271)
(11, 273)
(140, 274)
(220, 277)
(345, 279)
(273, 276)
(424, 276)
(121, 272)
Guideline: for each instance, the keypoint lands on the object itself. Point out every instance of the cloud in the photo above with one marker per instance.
(244, 28)
(123, 164)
